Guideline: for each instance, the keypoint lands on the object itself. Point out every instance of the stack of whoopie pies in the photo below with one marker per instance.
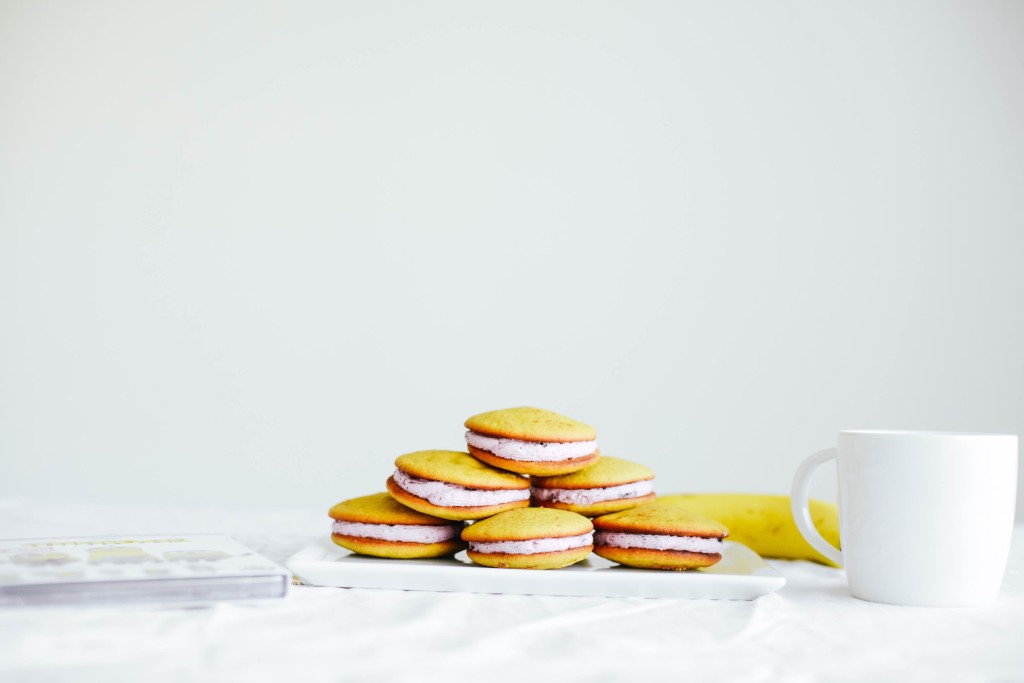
(530, 483)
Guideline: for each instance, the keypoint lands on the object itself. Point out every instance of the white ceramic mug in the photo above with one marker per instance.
(925, 518)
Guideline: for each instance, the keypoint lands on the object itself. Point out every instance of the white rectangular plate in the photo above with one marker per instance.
(741, 575)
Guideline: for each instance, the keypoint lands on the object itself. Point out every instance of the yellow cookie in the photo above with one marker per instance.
(656, 536)
(532, 441)
(455, 485)
(609, 485)
(379, 525)
(531, 538)
(530, 424)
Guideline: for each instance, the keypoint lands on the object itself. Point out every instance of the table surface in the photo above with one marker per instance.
(810, 630)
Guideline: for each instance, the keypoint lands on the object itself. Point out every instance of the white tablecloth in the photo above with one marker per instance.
(811, 630)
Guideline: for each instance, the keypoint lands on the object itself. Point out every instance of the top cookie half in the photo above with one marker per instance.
(531, 424)
(381, 508)
(659, 518)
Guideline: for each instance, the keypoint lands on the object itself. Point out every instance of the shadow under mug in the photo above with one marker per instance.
(925, 518)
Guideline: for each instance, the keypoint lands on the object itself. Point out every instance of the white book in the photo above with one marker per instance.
(135, 569)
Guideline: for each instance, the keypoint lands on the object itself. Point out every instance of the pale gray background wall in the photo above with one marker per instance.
(250, 253)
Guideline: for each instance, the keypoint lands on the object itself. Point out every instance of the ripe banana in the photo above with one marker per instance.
(763, 522)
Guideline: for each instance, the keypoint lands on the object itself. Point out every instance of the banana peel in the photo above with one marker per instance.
(763, 522)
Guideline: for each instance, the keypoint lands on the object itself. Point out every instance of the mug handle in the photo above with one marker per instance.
(801, 509)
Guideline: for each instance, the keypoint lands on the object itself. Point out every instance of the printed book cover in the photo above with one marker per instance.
(139, 569)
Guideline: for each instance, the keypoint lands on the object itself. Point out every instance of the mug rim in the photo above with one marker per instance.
(926, 433)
